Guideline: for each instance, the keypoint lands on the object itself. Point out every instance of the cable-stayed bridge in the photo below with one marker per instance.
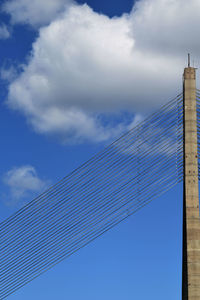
(138, 167)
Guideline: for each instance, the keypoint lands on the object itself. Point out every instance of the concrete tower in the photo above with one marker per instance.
(191, 218)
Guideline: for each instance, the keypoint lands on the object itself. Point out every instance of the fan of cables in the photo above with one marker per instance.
(128, 174)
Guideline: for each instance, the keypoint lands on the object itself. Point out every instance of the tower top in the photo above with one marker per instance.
(189, 72)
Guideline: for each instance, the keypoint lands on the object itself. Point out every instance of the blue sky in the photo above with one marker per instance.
(73, 78)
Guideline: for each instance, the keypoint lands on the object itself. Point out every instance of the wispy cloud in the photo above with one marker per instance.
(4, 32)
(22, 183)
(8, 73)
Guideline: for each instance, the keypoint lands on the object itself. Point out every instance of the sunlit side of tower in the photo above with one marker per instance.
(191, 218)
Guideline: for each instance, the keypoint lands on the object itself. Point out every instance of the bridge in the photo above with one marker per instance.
(127, 175)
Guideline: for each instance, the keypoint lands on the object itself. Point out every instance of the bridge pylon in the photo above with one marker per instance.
(191, 217)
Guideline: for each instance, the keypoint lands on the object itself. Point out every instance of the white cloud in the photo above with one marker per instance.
(34, 12)
(85, 66)
(167, 27)
(4, 32)
(22, 182)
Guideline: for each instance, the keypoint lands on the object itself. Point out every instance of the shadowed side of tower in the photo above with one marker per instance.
(191, 219)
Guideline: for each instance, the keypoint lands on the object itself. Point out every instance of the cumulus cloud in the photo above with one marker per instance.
(86, 66)
(169, 27)
(4, 32)
(22, 183)
(34, 12)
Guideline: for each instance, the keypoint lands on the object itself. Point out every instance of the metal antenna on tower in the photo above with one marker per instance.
(188, 60)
